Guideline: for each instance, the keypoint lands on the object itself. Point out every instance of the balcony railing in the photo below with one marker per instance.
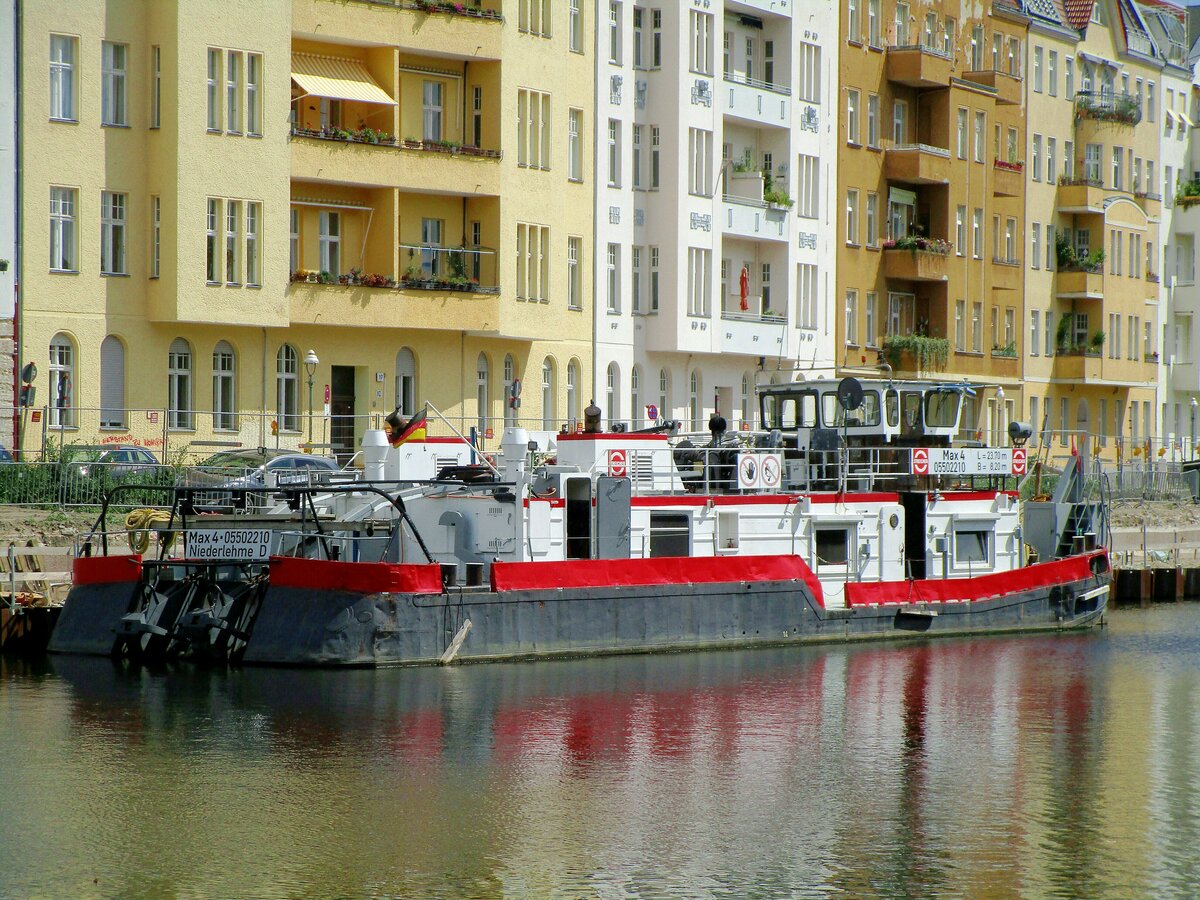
(469, 8)
(469, 270)
(1007, 166)
(1108, 106)
(924, 48)
(757, 311)
(384, 139)
(741, 78)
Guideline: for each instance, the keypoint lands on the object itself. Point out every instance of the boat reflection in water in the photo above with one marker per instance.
(965, 767)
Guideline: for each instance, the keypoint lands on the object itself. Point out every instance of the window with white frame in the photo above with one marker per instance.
(62, 382)
(635, 266)
(809, 89)
(700, 162)
(852, 97)
(872, 219)
(614, 32)
(961, 132)
(664, 394)
(223, 387)
(155, 235)
(510, 375)
(233, 212)
(1035, 245)
(112, 383)
(699, 285)
(808, 187)
(112, 233)
(851, 325)
(179, 385)
(694, 402)
(612, 279)
(287, 388)
(329, 241)
(980, 128)
(654, 284)
(701, 59)
(872, 120)
(534, 17)
(806, 295)
(977, 234)
(549, 414)
(233, 92)
(612, 393)
(573, 379)
(63, 234)
(872, 311)
(852, 216)
(432, 93)
(574, 273)
(254, 93)
(63, 53)
(614, 153)
(483, 391)
(214, 89)
(113, 95)
(655, 155)
(960, 230)
(211, 241)
(293, 239)
(533, 129)
(575, 144)
(960, 325)
(253, 222)
(635, 396)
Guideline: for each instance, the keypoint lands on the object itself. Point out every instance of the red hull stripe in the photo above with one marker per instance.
(665, 570)
(360, 578)
(982, 587)
(608, 436)
(876, 497)
(107, 569)
(717, 500)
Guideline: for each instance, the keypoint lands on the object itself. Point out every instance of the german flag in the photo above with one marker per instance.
(414, 431)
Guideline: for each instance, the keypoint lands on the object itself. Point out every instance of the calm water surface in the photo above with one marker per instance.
(1027, 766)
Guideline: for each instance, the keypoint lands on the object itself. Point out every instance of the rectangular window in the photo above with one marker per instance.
(701, 42)
(635, 265)
(980, 129)
(1069, 77)
(613, 278)
(961, 133)
(253, 218)
(900, 122)
(1052, 73)
(872, 219)
(431, 110)
(574, 145)
(575, 27)
(808, 196)
(233, 91)
(155, 86)
(1050, 248)
(853, 21)
(1035, 245)
(872, 320)
(614, 153)
(639, 37)
(614, 33)
(653, 279)
(1118, 159)
(810, 73)
(63, 238)
(699, 282)
(977, 234)
(851, 316)
(476, 116)
(329, 240)
(852, 116)
(62, 77)
(655, 38)
(232, 228)
(214, 89)
(960, 230)
(112, 233)
(977, 326)
(1150, 110)
(700, 162)
(872, 120)
(112, 83)
(155, 234)
(574, 273)
(211, 245)
(1051, 161)
(1037, 70)
(1035, 336)
(1068, 165)
(655, 155)
(852, 216)
(1036, 168)
(254, 93)
(972, 546)
(533, 124)
(960, 325)
(294, 239)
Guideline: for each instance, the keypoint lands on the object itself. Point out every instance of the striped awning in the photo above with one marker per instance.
(337, 78)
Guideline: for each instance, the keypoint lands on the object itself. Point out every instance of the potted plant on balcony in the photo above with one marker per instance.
(1096, 343)
(1188, 194)
(777, 198)
(1062, 334)
(326, 277)
(927, 352)
(1008, 350)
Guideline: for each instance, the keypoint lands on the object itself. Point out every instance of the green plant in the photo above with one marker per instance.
(326, 278)
(778, 197)
(458, 264)
(928, 352)
(1009, 349)
(745, 164)
(1062, 334)
(1189, 192)
(1096, 342)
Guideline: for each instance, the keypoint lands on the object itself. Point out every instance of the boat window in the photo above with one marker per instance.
(833, 546)
(834, 416)
(971, 545)
(941, 409)
(790, 411)
(670, 534)
(893, 409)
(910, 408)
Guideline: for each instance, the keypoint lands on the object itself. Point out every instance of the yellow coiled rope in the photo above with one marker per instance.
(139, 522)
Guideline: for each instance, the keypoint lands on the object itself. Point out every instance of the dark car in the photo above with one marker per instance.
(255, 468)
(118, 461)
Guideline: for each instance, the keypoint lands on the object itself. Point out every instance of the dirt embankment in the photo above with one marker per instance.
(1155, 514)
(51, 526)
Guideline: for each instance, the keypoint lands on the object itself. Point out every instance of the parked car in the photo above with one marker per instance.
(255, 468)
(118, 461)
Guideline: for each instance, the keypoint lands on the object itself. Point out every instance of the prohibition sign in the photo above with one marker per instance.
(1018, 461)
(616, 463)
(770, 472)
(920, 461)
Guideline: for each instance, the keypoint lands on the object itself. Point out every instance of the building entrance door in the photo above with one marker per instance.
(341, 422)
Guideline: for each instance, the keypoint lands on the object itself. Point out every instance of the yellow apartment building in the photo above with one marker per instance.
(931, 123)
(214, 189)
(1093, 205)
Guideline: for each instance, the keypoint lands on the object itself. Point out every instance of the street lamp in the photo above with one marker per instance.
(1193, 428)
(310, 366)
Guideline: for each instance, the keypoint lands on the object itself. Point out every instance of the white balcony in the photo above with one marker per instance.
(753, 219)
(756, 102)
(766, 7)
(754, 331)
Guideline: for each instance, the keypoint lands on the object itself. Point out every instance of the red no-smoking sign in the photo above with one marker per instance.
(617, 463)
(1018, 461)
(920, 461)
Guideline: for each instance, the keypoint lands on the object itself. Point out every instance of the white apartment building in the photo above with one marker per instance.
(714, 184)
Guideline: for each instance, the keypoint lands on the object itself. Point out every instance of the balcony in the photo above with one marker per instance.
(918, 67)
(757, 102)
(1081, 194)
(467, 30)
(1007, 274)
(1008, 178)
(1151, 203)
(907, 264)
(1008, 87)
(754, 219)
(1080, 282)
(754, 331)
(1077, 365)
(766, 7)
(367, 157)
(917, 164)
(1109, 107)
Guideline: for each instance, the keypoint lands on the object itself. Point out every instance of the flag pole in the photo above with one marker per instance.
(437, 412)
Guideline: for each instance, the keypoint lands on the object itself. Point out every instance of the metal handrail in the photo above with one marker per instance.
(738, 78)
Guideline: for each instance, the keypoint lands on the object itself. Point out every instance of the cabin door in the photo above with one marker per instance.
(914, 533)
(579, 517)
(612, 517)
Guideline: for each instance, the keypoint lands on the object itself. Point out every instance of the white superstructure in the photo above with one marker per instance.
(710, 161)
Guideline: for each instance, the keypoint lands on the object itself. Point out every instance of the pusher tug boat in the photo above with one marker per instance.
(850, 516)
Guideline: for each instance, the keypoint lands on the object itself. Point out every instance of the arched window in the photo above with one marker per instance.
(287, 388)
(635, 396)
(482, 398)
(549, 413)
(744, 410)
(224, 387)
(406, 382)
(573, 392)
(694, 401)
(62, 382)
(112, 383)
(612, 388)
(510, 375)
(664, 394)
(179, 384)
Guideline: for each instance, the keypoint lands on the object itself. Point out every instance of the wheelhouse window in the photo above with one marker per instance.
(670, 534)
(941, 409)
(832, 546)
(972, 545)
